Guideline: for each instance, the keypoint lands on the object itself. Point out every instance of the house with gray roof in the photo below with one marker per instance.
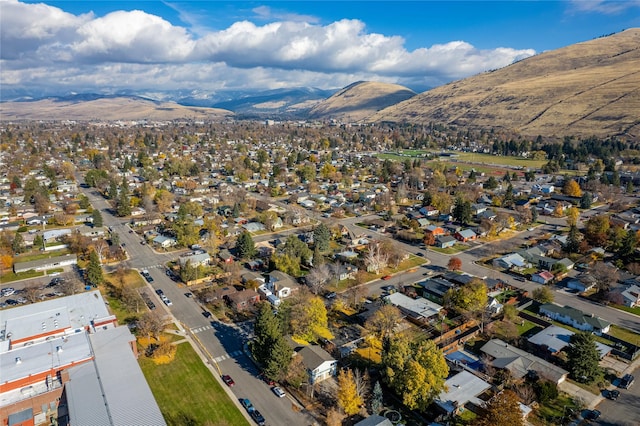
(45, 264)
(463, 388)
(555, 338)
(575, 318)
(511, 261)
(420, 309)
(519, 362)
(319, 363)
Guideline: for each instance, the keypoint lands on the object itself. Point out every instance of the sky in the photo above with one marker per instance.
(200, 47)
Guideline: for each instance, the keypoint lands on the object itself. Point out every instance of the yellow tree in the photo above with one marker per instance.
(573, 214)
(503, 410)
(348, 398)
(572, 188)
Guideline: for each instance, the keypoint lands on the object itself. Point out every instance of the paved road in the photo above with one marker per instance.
(222, 342)
(625, 411)
(470, 266)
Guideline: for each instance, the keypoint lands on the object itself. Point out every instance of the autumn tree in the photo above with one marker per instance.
(383, 321)
(415, 370)
(305, 317)
(376, 257)
(597, 229)
(542, 295)
(573, 214)
(348, 398)
(571, 188)
(150, 324)
(429, 239)
(583, 358)
(605, 276)
(502, 410)
(454, 264)
(468, 299)
(317, 278)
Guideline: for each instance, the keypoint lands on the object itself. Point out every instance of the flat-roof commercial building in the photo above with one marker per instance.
(71, 350)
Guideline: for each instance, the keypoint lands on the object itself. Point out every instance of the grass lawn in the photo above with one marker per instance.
(589, 387)
(550, 413)
(450, 250)
(10, 276)
(28, 257)
(635, 310)
(187, 393)
(624, 334)
(527, 328)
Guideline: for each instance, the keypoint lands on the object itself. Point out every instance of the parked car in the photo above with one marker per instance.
(206, 314)
(387, 277)
(592, 415)
(611, 394)
(159, 292)
(247, 404)
(331, 295)
(278, 391)
(188, 294)
(257, 417)
(7, 291)
(228, 380)
(626, 381)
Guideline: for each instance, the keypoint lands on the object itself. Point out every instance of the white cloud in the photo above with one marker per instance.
(44, 45)
(608, 7)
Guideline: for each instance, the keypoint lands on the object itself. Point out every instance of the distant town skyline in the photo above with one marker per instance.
(62, 47)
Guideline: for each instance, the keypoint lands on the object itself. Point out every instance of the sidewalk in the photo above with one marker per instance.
(590, 400)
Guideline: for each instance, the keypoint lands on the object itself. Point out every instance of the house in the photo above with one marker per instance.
(280, 284)
(225, 256)
(435, 230)
(195, 259)
(555, 339)
(319, 363)
(631, 296)
(478, 208)
(436, 287)
(44, 264)
(346, 271)
(520, 363)
(242, 300)
(253, 227)
(582, 282)
(543, 277)
(445, 241)
(164, 241)
(420, 309)
(511, 261)
(465, 235)
(487, 215)
(374, 420)
(463, 388)
(575, 318)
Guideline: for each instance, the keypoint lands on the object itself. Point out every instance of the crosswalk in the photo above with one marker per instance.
(228, 356)
(201, 329)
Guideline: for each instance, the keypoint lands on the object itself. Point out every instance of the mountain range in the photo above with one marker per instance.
(586, 89)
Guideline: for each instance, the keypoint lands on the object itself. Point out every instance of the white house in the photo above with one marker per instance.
(319, 363)
(419, 309)
(462, 388)
(631, 296)
(575, 318)
(164, 241)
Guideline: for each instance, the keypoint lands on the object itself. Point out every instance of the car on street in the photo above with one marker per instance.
(168, 302)
(257, 417)
(228, 380)
(421, 254)
(331, 295)
(11, 302)
(159, 292)
(592, 415)
(387, 277)
(188, 294)
(206, 314)
(247, 404)
(389, 288)
(611, 394)
(626, 381)
(278, 391)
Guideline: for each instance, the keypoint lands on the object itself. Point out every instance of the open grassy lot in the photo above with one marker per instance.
(187, 393)
(624, 334)
(470, 158)
(551, 413)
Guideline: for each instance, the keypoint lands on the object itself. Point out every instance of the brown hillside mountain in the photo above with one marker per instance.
(360, 100)
(589, 88)
(106, 109)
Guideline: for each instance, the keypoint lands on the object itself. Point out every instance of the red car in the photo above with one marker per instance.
(228, 380)
(386, 277)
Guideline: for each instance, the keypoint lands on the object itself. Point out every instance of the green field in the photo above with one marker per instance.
(187, 393)
(469, 158)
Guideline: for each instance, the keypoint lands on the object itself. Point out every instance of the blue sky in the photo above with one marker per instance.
(59, 47)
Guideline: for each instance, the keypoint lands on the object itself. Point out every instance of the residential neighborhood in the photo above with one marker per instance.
(364, 280)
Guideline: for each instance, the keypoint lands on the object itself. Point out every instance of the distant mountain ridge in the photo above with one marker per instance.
(589, 88)
(360, 100)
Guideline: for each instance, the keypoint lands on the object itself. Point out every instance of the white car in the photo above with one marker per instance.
(278, 391)
(167, 302)
(9, 291)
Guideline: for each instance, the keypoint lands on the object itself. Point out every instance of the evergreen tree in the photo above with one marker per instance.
(38, 241)
(491, 183)
(322, 237)
(269, 346)
(534, 214)
(113, 190)
(376, 398)
(97, 218)
(507, 201)
(583, 358)
(94, 270)
(586, 200)
(123, 204)
(573, 240)
(17, 245)
(462, 210)
(235, 213)
(245, 246)
(629, 244)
